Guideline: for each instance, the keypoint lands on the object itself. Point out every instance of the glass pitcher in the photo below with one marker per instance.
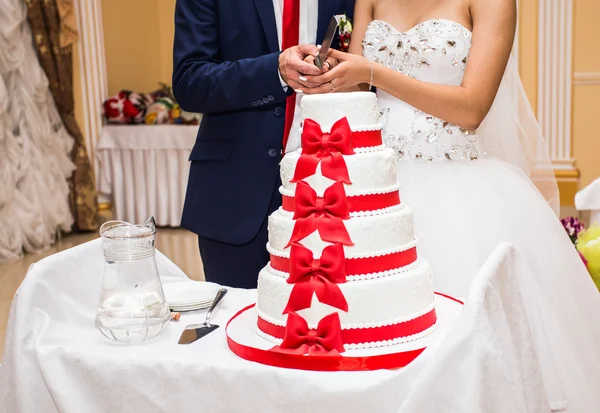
(132, 307)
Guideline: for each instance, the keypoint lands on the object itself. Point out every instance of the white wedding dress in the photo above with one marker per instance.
(467, 202)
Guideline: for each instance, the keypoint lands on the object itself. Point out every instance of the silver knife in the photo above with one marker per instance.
(326, 45)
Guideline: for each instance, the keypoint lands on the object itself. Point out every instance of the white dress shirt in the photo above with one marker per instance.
(309, 15)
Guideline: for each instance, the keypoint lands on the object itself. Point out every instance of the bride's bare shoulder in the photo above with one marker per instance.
(365, 4)
(488, 12)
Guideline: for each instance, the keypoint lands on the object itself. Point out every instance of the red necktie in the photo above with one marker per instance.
(290, 36)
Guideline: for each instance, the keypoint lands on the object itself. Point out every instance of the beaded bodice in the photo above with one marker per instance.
(434, 51)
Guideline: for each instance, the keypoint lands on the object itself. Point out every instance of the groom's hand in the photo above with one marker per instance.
(293, 68)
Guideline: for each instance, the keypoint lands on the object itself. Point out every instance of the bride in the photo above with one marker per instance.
(442, 70)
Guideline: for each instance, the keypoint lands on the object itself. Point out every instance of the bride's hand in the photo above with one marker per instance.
(329, 64)
(352, 70)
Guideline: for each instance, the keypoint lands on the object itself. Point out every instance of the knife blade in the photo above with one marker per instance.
(326, 45)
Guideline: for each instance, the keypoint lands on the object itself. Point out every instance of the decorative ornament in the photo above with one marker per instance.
(326, 339)
(588, 246)
(126, 107)
(573, 227)
(325, 214)
(326, 148)
(159, 112)
(318, 277)
(345, 32)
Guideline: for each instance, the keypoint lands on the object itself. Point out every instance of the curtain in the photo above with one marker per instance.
(53, 26)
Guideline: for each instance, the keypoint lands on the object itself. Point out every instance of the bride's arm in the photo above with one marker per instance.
(466, 105)
(363, 15)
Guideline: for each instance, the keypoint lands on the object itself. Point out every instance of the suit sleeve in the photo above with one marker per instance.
(204, 84)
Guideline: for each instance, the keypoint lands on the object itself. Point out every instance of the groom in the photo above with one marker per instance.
(238, 62)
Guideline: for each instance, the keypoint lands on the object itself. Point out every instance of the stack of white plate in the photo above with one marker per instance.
(190, 295)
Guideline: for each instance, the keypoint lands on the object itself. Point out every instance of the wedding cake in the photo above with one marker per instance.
(344, 271)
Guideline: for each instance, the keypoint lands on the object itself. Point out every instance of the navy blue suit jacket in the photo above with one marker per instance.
(225, 59)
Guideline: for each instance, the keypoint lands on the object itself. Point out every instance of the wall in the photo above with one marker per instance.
(138, 41)
(586, 91)
(528, 30)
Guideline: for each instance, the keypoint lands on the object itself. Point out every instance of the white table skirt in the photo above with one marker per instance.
(56, 361)
(588, 199)
(144, 170)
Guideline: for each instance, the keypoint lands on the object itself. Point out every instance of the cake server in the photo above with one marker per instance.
(194, 332)
(326, 45)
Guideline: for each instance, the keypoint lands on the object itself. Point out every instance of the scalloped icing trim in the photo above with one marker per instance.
(268, 337)
(389, 189)
(361, 325)
(405, 247)
(361, 346)
(371, 149)
(359, 214)
(364, 277)
(396, 341)
(361, 128)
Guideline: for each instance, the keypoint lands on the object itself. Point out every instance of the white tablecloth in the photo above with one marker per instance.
(56, 361)
(144, 169)
(588, 199)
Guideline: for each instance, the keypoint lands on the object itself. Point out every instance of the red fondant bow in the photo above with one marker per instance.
(326, 148)
(324, 214)
(325, 340)
(320, 276)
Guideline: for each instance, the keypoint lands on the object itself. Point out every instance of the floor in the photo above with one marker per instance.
(179, 245)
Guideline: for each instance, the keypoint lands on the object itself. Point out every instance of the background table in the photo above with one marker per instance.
(56, 361)
(588, 199)
(144, 169)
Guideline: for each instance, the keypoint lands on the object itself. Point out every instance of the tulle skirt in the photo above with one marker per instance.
(462, 211)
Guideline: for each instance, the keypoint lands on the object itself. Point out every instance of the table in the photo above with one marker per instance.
(144, 169)
(56, 361)
(588, 199)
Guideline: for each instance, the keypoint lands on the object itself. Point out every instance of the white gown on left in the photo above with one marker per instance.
(466, 203)
(35, 148)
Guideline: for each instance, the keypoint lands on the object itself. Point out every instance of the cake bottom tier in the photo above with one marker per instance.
(381, 311)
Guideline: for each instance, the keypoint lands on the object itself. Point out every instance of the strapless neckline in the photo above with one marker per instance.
(416, 26)
(433, 51)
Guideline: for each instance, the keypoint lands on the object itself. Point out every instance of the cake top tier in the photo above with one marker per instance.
(360, 108)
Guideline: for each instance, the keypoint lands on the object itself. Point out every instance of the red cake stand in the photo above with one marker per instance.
(247, 344)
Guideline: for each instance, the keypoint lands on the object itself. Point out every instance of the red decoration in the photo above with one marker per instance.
(316, 276)
(290, 36)
(358, 203)
(326, 362)
(299, 339)
(362, 266)
(326, 148)
(325, 214)
(366, 335)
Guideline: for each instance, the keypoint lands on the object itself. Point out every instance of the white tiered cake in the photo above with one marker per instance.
(343, 252)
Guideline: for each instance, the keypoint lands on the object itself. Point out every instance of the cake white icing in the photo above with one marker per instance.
(370, 172)
(372, 235)
(359, 108)
(371, 302)
(388, 291)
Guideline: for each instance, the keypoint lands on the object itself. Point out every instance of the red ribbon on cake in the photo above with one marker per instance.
(326, 148)
(316, 276)
(361, 266)
(325, 214)
(365, 335)
(326, 339)
(319, 362)
(357, 203)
